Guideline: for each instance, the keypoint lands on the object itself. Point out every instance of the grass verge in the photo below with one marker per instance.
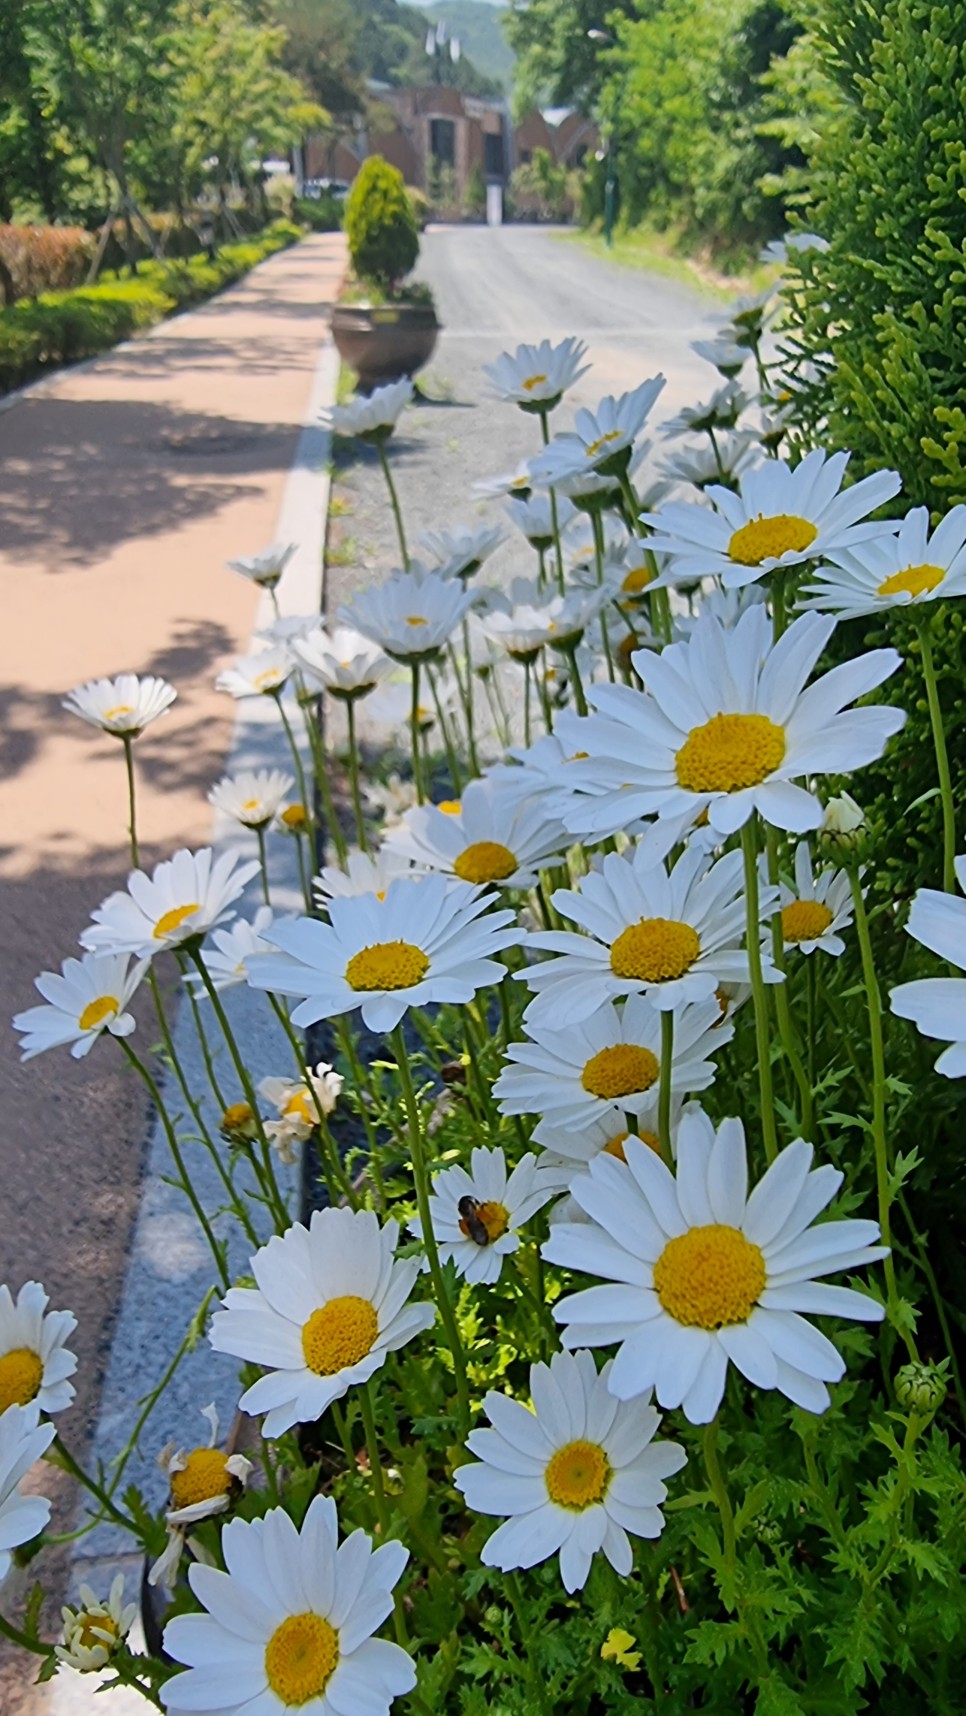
(662, 253)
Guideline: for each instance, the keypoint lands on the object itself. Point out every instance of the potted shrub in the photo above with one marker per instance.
(382, 327)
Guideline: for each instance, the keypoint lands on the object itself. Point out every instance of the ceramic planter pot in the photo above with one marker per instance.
(384, 342)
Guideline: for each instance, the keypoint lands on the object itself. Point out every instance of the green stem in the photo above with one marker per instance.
(327, 1148)
(362, 1083)
(421, 1177)
(786, 1029)
(350, 715)
(65, 1459)
(320, 764)
(396, 509)
(576, 680)
(263, 864)
(175, 1148)
(375, 1464)
(296, 758)
(880, 1143)
(942, 755)
(514, 1590)
(527, 671)
(664, 1091)
(35, 1646)
(190, 1340)
(303, 876)
(554, 515)
(468, 700)
(749, 847)
(719, 1490)
(132, 825)
(452, 763)
(414, 734)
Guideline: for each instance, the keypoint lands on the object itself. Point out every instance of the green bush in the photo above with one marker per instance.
(381, 226)
(321, 214)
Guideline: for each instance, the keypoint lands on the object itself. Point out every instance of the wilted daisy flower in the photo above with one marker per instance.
(90, 995)
(780, 517)
(265, 569)
(817, 908)
(329, 1304)
(460, 553)
(534, 518)
(601, 440)
(724, 353)
(344, 663)
(228, 950)
(298, 1104)
(293, 819)
(937, 1005)
(203, 1482)
(721, 411)
(727, 725)
(673, 937)
(124, 706)
(749, 317)
(700, 1273)
(252, 797)
(609, 1065)
(700, 463)
(426, 941)
(537, 377)
(492, 838)
(516, 484)
(391, 797)
(411, 618)
(184, 897)
(371, 416)
(894, 571)
(92, 1632)
(22, 1442)
(362, 875)
(574, 1476)
(261, 675)
(290, 1624)
(566, 1153)
(476, 1215)
(34, 1362)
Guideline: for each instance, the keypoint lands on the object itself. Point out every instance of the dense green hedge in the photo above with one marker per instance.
(63, 327)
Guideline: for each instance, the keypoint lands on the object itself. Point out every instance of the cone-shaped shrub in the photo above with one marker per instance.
(380, 225)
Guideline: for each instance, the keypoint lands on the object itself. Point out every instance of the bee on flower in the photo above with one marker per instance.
(203, 1482)
(92, 1632)
(476, 1216)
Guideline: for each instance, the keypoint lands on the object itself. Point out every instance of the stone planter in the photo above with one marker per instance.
(384, 342)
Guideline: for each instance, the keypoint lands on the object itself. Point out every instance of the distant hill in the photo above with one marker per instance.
(477, 23)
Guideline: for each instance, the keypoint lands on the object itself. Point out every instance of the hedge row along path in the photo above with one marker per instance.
(124, 486)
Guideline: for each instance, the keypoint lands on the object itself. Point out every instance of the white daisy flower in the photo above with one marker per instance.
(363, 874)
(34, 1361)
(574, 1476)
(298, 1104)
(22, 1442)
(492, 839)
(203, 1482)
(285, 628)
(534, 518)
(898, 571)
(426, 941)
(391, 797)
(609, 1065)
(342, 662)
(92, 1632)
(261, 675)
(410, 617)
(536, 771)
(566, 1153)
(780, 517)
(88, 996)
(701, 1273)
(672, 937)
(329, 1304)
(781, 250)
(817, 908)
(124, 706)
(265, 569)
(601, 440)
(183, 898)
(937, 1005)
(721, 411)
(724, 605)
(476, 1216)
(370, 416)
(588, 490)
(537, 377)
(228, 950)
(535, 618)
(252, 797)
(516, 484)
(728, 358)
(290, 1624)
(699, 464)
(726, 724)
(461, 553)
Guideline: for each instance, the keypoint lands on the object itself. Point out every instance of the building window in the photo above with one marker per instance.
(493, 157)
(442, 142)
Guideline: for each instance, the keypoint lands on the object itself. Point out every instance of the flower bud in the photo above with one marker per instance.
(843, 825)
(921, 1387)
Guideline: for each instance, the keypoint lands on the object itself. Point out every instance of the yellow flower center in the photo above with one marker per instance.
(416, 620)
(339, 1334)
(294, 816)
(252, 804)
(615, 1146)
(602, 441)
(118, 711)
(91, 1626)
(237, 1116)
(494, 1217)
(97, 1011)
(636, 580)
(805, 920)
(171, 921)
(622, 1070)
(204, 1478)
(729, 752)
(387, 965)
(450, 806)
(301, 1658)
(21, 1374)
(655, 950)
(298, 1103)
(485, 861)
(709, 1277)
(769, 538)
(913, 581)
(266, 681)
(577, 1475)
(532, 381)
